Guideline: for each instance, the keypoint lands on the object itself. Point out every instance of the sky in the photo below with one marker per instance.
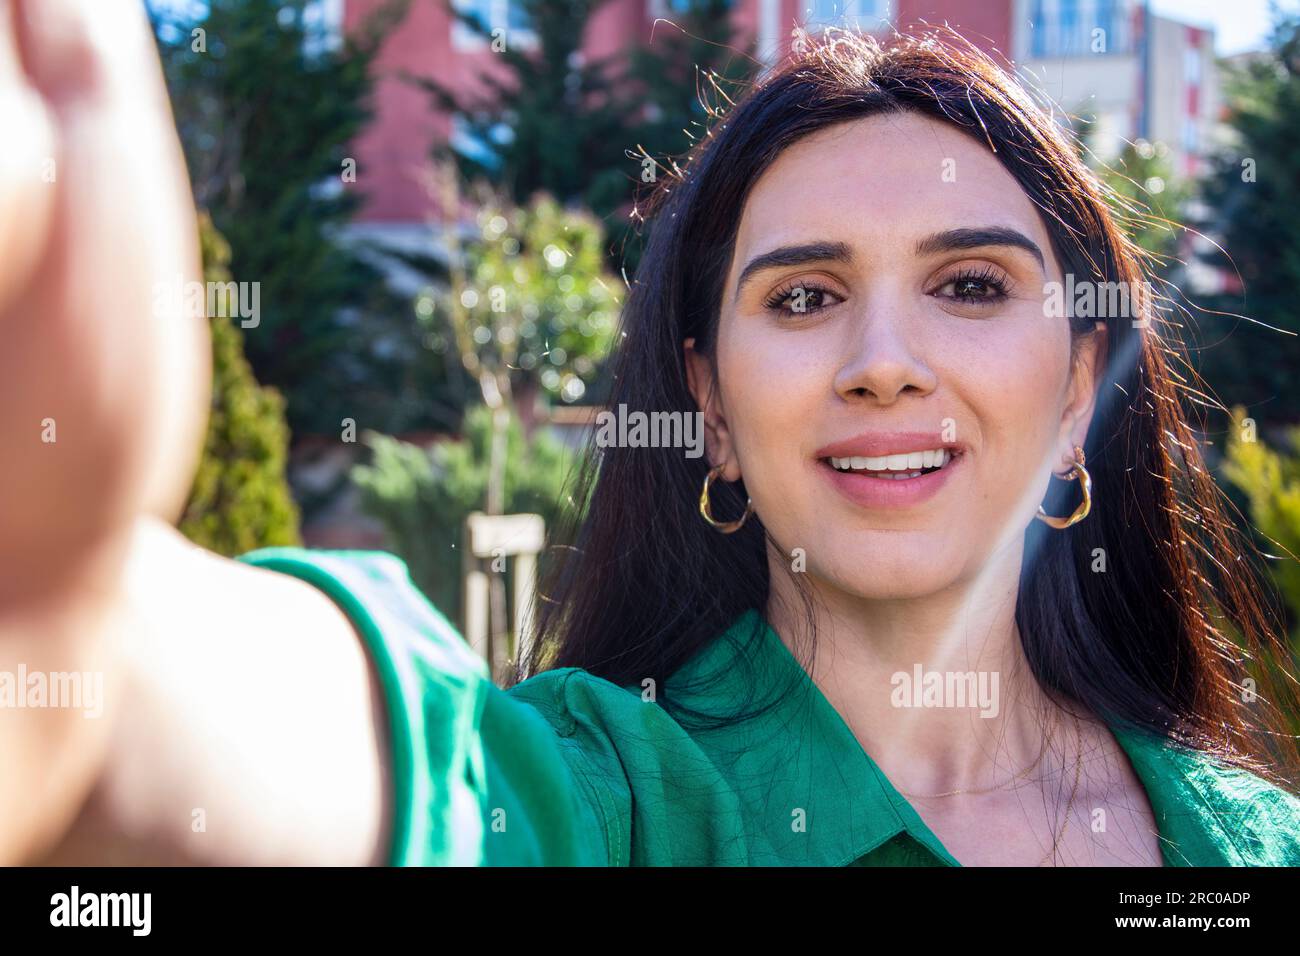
(1239, 25)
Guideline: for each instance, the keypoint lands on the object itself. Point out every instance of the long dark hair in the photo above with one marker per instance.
(1163, 641)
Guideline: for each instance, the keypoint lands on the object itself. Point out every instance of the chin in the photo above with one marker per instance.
(882, 573)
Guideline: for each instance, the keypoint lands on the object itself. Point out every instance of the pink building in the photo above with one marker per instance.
(431, 43)
(1141, 76)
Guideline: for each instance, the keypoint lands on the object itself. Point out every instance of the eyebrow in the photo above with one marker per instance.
(950, 241)
(794, 256)
(957, 239)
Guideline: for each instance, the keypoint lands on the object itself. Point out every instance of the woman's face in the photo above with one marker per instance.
(918, 323)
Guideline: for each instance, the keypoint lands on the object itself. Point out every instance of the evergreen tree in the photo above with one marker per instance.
(268, 107)
(582, 131)
(240, 499)
(690, 72)
(566, 124)
(1252, 194)
(1268, 477)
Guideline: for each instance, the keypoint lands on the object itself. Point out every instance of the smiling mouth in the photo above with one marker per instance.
(896, 467)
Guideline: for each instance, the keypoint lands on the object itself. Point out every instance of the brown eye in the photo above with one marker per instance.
(804, 298)
(976, 287)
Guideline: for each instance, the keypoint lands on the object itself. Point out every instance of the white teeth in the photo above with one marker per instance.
(902, 466)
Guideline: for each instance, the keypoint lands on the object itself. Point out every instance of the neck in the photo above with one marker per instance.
(936, 687)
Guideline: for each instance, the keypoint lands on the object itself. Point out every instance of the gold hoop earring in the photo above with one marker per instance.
(1081, 474)
(726, 527)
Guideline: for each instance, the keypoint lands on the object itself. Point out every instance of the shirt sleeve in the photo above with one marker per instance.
(478, 777)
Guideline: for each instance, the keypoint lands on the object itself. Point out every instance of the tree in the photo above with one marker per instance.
(591, 133)
(240, 499)
(530, 305)
(555, 123)
(528, 310)
(267, 107)
(422, 498)
(1149, 200)
(1146, 197)
(687, 75)
(1255, 216)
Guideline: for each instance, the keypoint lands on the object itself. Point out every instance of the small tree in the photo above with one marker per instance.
(240, 499)
(529, 309)
(423, 498)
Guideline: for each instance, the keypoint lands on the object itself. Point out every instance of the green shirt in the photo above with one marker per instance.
(566, 768)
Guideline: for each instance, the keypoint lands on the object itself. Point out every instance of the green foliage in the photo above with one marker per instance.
(268, 112)
(693, 65)
(422, 498)
(1252, 193)
(535, 306)
(581, 130)
(1148, 199)
(240, 499)
(693, 68)
(566, 129)
(1270, 480)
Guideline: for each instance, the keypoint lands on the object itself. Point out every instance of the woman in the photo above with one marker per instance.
(855, 283)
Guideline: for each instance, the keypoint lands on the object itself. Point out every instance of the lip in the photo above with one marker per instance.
(876, 444)
(871, 492)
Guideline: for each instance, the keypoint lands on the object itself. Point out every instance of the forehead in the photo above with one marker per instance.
(881, 181)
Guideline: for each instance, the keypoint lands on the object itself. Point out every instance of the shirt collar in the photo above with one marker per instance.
(818, 799)
(1197, 803)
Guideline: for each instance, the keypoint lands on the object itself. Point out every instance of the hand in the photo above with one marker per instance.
(102, 398)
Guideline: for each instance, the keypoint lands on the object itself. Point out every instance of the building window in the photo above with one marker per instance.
(468, 142)
(1078, 27)
(851, 14)
(324, 21)
(1109, 21)
(507, 15)
(671, 8)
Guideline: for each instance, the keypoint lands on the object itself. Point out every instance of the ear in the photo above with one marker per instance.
(703, 383)
(1089, 364)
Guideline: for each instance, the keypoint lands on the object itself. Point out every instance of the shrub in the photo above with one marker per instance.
(422, 498)
(240, 499)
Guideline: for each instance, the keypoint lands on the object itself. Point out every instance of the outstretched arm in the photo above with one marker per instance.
(240, 718)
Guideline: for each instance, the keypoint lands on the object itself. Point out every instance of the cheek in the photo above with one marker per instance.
(774, 387)
(1013, 385)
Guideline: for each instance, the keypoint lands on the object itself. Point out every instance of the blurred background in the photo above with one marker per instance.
(431, 206)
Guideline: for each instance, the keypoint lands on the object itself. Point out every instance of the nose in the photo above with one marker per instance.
(881, 357)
